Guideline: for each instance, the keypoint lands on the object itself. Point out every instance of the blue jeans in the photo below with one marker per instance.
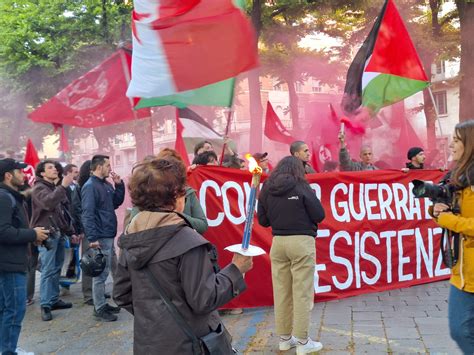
(461, 319)
(98, 283)
(51, 264)
(12, 308)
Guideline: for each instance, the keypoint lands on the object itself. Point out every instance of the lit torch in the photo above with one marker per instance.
(245, 248)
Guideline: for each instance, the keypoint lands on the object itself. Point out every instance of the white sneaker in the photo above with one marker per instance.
(20, 351)
(288, 344)
(236, 311)
(311, 346)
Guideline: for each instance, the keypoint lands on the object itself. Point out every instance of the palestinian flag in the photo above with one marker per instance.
(192, 129)
(387, 68)
(218, 94)
(184, 45)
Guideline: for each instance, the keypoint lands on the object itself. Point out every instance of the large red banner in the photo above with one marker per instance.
(376, 236)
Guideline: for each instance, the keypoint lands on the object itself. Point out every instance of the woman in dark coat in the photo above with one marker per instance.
(289, 205)
(159, 238)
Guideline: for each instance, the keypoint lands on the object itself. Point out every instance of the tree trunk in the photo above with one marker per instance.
(430, 115)
(466, 73)
(105, 22)
(428, 106)
(17, 126)
(256, 110)
(294, 109)
(102, 137)
(143, 137)
(428, 60)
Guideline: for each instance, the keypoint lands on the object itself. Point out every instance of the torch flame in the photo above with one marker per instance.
(253, 165)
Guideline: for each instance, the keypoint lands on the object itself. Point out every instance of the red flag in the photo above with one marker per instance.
(95, 99)
(274, 129)
(352, 126)
(63, 141)
(180, 146)
(63, 138)
(322, 138)
(32, 159)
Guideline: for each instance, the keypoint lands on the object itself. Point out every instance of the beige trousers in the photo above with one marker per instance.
(293, 261)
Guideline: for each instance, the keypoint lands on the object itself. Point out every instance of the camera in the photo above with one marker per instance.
(54, 233)
(442, 192)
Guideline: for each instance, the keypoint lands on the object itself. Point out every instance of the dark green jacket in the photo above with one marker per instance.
(192, 211)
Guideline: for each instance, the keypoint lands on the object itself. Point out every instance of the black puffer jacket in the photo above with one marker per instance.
(14, 232)
(289, 206)
(178, 258)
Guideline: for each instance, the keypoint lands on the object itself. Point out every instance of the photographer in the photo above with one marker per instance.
(15, 237)
(461, 296)
(49, 202)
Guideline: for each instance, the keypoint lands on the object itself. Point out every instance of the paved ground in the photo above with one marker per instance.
(412, 320)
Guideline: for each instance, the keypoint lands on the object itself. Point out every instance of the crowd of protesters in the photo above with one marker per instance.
(71, 207)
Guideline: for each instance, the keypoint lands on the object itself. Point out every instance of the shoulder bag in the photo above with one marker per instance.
(215, 343)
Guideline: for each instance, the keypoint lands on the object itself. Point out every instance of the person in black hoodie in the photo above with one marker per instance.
(289, 205)
(14, 239)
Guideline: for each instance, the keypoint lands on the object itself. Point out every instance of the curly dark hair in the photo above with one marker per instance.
(157, 184)
(84, 173)
(40, 168)
(205, 158)
(200, 145)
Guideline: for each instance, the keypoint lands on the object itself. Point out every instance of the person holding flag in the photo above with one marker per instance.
(345, 161)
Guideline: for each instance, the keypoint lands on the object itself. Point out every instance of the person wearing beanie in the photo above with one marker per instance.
(263, 162)
(416, 157)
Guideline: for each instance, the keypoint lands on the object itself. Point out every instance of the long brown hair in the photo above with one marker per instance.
(465, 166)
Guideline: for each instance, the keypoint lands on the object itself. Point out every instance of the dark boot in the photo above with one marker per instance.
(104, 315)
(112, 309)
(46, 314)
(61, 305)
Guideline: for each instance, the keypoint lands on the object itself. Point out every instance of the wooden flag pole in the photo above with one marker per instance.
(227, 127)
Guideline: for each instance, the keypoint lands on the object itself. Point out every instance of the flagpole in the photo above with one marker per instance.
(439, 126)
(227, 127)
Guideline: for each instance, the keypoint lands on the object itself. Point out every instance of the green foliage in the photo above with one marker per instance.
(45, 45)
